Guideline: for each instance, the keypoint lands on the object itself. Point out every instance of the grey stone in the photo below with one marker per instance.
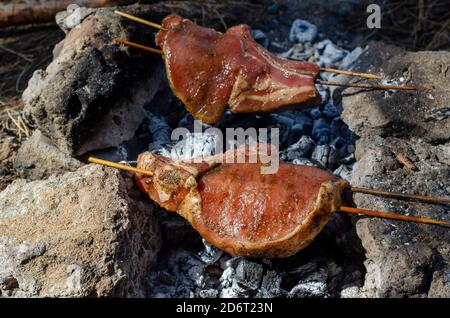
(72, 17)
(8, 153)
(37, 158)
(401, 113)
(440, 284)
(402, 259)
(92, 94)
(401, 256)
(85, 233)
(393, 270)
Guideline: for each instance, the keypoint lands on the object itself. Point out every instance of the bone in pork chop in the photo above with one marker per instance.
(209, 70)
(236, 208)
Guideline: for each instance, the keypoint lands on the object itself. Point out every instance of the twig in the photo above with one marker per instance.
(406, 162)
(220, 18)
(23, 56)
(19, 127)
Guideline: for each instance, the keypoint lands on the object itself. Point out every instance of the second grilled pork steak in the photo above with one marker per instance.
(209, 70)
(236, 208)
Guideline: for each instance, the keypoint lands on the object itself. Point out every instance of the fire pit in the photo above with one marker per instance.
(98, 98)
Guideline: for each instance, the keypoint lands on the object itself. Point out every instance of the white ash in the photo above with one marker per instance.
(313, 286)
(325, 53)
(195, 145)
(210, 254)
(350, 292)
(307, 162)
(350, 58)
(328, 54)
(302, 31)
(343, 172)
(314, 137)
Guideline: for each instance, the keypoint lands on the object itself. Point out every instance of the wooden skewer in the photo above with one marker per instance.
(136, 19)
(363, 75)
(119, 166)
(345, 209)
(400, 195)
(373, 86)
(392, 216)
(323, 69)
(138, 46)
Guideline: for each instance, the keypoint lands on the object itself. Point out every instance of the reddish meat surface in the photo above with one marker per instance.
(240, 210)
(209, 70)
(241, 204)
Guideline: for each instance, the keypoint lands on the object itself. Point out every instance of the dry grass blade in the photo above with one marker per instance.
(11, 119)
(415, 24)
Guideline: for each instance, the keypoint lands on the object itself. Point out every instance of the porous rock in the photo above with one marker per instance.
(403, 259)
(8, 152)
(423, 113)
(86, 233)
(92, 94)
(37, 158)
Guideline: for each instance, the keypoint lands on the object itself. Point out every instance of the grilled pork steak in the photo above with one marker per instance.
(236, 208)
(209, 70)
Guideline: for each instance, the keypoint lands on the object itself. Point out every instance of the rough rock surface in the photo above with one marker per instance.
(424, 113)
(86, 233)
(93, 93)
(403, 259)
(37, 158)
(8, 152)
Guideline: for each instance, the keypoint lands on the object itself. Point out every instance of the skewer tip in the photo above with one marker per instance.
(138, 46)
(119, 166)
(137, 19)
(370, 86)
(392, 216)
(345, 72)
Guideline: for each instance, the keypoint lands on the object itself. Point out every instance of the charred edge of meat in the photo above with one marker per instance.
(172, 180)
